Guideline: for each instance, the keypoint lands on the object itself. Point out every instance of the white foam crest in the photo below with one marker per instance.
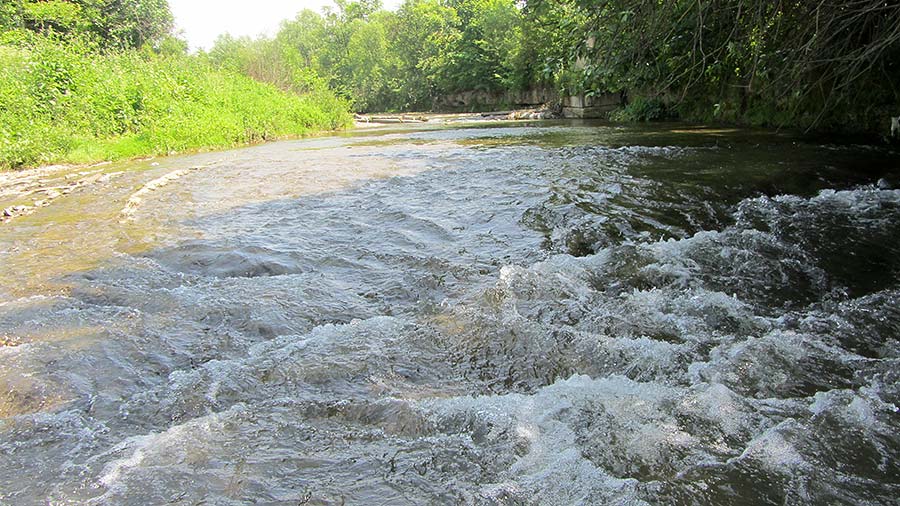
(684, 258)
(863, 206)
(605, 430)
(563, 277)
(775, 452)
(331, 351)
(722, 407)
(698, 314)
(559, 276)
(860, 200)
(41, 298)
(553, 469)
(862, 407)
(781, 363)
(560, 308)
(631, 155)
(10, 353)
(335, 359)
(640, 358)
(170, 447)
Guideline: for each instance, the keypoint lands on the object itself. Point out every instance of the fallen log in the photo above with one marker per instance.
(496, 113)
(397, 119)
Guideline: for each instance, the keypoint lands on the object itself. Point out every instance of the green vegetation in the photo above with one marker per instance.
(821, 65)
(642, 109)
(102, 79)
(403, 60)
(73, 90)
(114, 23)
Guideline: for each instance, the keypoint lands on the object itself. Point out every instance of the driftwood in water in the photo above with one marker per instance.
(391, 119)
(496, 113)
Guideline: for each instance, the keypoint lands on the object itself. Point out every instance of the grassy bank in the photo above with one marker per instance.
(69, 103)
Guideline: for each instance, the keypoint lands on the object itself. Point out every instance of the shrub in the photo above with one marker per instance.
(642, 109)
(68, 102)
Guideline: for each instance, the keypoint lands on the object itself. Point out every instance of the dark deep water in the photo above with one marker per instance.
(505, 314)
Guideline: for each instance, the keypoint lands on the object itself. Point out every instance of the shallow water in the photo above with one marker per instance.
(552, 313)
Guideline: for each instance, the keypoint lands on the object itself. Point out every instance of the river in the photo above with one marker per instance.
(548, 313)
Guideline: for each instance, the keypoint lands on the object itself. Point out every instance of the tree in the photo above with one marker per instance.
(130, 23)
(113, 23)
(424, 33)
(305, 35)
(802, 63)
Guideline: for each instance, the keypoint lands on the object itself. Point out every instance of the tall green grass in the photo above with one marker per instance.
(64, 102)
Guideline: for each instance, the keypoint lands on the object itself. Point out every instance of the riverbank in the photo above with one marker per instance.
(28, 189)
(63, 103)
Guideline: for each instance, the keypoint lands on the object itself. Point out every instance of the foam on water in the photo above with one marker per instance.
(523, 316)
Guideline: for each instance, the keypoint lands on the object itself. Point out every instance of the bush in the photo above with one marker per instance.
(642, 109)
(69, 103)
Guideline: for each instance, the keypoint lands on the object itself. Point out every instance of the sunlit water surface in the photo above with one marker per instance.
(504, 314)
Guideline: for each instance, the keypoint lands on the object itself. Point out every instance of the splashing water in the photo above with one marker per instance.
(551, 314)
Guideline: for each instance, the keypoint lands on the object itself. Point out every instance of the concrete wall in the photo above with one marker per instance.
(576, 106)
(480, 99)
(595, 106)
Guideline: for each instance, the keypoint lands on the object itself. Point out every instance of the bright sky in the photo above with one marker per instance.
(204, 20)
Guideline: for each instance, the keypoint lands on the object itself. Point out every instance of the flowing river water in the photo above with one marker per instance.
(550, 313)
